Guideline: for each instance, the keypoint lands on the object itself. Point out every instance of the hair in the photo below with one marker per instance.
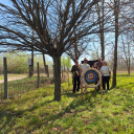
(76, 60)
(104, 62)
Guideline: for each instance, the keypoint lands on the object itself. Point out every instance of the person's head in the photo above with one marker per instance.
(85, 60)
(76, 62)
(99, 59)
(95, 65)
(104, 63)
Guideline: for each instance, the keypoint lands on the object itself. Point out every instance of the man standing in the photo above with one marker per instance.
(76, 76)
(84, 67)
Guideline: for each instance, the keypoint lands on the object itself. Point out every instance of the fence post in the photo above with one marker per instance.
(53, 71)
(38, 76)
(62, 72)
(30, 71)
(47, 71)
(5, 77)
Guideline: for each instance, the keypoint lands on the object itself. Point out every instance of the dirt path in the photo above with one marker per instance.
(12, 78)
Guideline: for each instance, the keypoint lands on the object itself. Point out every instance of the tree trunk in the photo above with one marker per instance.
(102, 35)
(129, 66)
(75, 44)
(101, 27)
(32, 55)
(44, 61)
(116, 43)
(57, 78)
(102, 45)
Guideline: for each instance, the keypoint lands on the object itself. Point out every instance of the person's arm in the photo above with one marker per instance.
(80, 69)
(101, 70)
(72, 71)
(109, 69)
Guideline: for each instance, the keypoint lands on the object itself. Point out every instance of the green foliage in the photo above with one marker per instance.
(69, 65)
(17, 61)
(66, 62)
(94, 56)
(36, 112)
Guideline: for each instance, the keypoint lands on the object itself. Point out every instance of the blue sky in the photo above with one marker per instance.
(48, 58)
(6, 2)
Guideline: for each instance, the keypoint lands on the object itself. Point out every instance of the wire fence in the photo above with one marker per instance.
(18, 84)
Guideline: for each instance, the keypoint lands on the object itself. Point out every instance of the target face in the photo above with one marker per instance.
(91, 76)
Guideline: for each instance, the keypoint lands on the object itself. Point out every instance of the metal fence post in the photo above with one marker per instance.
(38, 76)
(5, 77)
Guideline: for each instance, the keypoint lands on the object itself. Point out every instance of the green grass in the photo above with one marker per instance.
(17, 88)
(36, 112)
(1, 77)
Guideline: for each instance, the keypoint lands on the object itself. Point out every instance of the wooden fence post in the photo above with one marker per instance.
(38, 76)
(62, 72)
(47, 71)
(5, 77)
(68, 78)
(53, 71)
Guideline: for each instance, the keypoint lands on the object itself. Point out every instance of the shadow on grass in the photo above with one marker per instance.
(10, 115)
(71, 109)
(79, 102)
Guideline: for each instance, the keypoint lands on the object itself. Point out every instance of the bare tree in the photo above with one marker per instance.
(120, 28)
(76, 53)
(100, 10)
(116, 6)
(53, 24)
(127, 51)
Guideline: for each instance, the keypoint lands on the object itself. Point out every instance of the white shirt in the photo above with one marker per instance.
(84, 67)
(105, 70)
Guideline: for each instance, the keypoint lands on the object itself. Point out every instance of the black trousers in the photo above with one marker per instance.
(76, 82)
(105, 79)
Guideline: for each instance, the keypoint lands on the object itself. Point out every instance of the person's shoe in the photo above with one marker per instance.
(104, 90)
(107, 90)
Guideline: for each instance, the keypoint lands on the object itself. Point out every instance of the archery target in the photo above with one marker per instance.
(91, 76)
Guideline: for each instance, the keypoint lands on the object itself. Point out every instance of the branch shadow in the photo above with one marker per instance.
(10, 116)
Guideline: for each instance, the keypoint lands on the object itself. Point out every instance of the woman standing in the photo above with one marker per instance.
(106, 74)
(95, 66)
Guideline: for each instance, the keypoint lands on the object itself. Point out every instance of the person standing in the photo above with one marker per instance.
(98, 66)
(95, 66)
(76, 76)
(106, 74)
(84, 67)
(99, 63)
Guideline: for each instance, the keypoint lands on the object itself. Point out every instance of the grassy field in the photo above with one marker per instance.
(17, 88)
(36, 112)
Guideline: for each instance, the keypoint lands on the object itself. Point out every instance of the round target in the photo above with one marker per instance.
(91, 76)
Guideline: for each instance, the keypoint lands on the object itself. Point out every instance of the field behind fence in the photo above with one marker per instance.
(14, 85)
